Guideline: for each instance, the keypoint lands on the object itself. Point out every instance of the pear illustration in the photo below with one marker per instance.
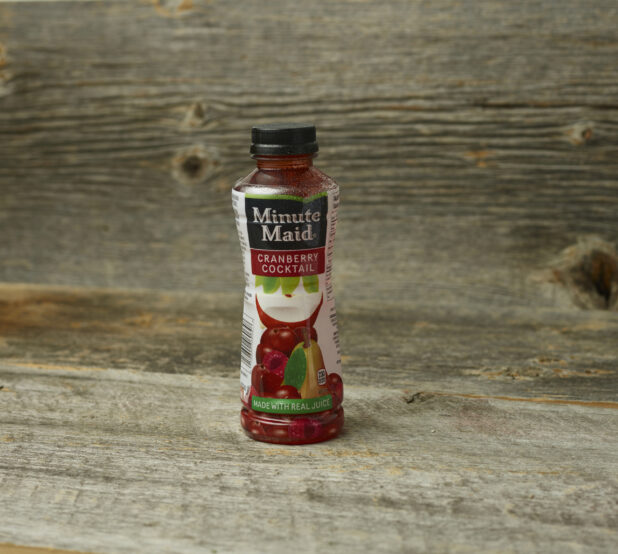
(314, 362)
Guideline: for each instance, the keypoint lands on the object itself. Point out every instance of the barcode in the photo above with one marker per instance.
(246, 345)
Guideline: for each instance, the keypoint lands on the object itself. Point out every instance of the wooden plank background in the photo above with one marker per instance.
(476, 274)
(474, 142)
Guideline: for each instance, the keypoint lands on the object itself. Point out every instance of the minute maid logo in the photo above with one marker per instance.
(284, 222)
(275, 234)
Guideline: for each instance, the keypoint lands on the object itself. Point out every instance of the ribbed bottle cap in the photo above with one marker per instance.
(283, 139)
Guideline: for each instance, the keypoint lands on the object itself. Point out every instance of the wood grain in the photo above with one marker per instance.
(469, 432)
(476, 275)
(6, 548)
(515, 353)
(474, 144)
(122, 461)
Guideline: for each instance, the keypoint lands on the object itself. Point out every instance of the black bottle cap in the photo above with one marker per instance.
(277, 139)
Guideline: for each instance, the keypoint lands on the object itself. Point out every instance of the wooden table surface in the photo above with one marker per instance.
(120, 432)
(476, 275)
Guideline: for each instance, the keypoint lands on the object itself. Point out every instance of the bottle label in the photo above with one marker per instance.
(290, 360)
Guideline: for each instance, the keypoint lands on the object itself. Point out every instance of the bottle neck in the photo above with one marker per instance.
(284, 162)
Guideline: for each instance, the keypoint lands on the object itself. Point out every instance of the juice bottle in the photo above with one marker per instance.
(286, 213)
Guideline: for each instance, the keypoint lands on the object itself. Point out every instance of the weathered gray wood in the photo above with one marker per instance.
(539, 354)
(464, 431)
(474, 144)
(122, 461)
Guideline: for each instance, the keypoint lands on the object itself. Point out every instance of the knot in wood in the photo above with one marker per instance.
(589, 270)
(580, 133)
(6, 87)
(417, 397)
(598, 271)
(195, 116)
(192, 166)
(172, 8)
(195, 165)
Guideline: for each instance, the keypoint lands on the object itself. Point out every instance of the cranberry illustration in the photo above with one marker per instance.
(265, 382)
(261, 351)
(335, 386)
(280, 338)
(275, 361)
(304, 428)
(287, 391)
(301, 333)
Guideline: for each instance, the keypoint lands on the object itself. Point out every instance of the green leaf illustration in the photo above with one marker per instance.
(311, 283)
(289, 284)
(270, 284)
(296, 369)
(259, 280)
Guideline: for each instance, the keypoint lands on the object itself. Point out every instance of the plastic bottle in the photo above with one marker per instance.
(286, 214)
